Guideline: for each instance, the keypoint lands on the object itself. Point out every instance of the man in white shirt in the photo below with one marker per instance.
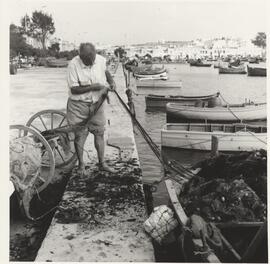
(88, 81)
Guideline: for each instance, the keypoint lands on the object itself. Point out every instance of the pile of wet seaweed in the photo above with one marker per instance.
(229, 188)
(100, 194)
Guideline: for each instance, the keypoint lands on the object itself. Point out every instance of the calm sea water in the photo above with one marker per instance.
(195, 81)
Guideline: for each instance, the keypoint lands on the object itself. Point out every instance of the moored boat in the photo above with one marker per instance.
(199, 63)
(150, 73)
(232, 137)
(159, 76)
(159, 102)
(256, 71)
(57, 63)
(157, 83)
(236, 232)
(232, 70)
(226, 113)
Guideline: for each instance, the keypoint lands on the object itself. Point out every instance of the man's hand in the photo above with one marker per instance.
(104, 90)
(113, 86)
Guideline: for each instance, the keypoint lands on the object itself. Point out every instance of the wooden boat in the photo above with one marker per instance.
(148, 70)
(256, 71)
(159, 102)
(57, 63)
(227, 113)
(256, 242)
(159, 76)
(199, 63)
(142, 83)
(253, 60)
(232, 137)
(232, 70)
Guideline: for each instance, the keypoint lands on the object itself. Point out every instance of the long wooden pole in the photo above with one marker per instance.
(214, 146)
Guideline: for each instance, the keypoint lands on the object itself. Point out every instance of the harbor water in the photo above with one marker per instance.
(235, 88)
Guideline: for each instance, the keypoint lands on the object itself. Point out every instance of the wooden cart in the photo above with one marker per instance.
(50, 131)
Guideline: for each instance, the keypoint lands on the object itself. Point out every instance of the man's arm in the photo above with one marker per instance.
(86, 88)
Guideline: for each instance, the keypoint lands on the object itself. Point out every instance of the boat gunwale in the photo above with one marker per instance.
(233, 126)
(173, 106)
(154, 96)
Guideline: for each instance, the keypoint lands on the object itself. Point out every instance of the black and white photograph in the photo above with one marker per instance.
(136, 132)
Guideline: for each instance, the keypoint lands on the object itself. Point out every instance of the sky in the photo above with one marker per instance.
(129, 22)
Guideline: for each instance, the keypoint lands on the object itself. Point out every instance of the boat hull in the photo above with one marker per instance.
(256, 71)
(159, 76)
(195, 64)
(142, 83)
(159, 102)
(231, 114)
(57, 64)
(232, 70)
(177, 137)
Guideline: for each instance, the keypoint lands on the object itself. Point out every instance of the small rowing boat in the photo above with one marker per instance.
(159, 76)
(199, 63)
(57, 63)
(256, 71)
(142, 83)
(239, 242)
(226, 113)
(232, 137)
(232, 70)
(159, 102)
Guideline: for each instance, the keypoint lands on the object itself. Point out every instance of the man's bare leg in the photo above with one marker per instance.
(80, 138)
(100, 147)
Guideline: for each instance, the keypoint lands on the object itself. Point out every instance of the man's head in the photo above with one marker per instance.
(87, 53)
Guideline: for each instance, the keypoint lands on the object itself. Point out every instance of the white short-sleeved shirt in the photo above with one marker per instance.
(80, 74)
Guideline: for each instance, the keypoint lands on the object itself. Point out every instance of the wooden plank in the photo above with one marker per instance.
(180, 213)
(255, 243)
(183, 219)
(238, 224)
(214, 146)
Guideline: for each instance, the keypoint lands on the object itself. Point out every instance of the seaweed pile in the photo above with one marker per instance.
(93, 199)
(229, 188)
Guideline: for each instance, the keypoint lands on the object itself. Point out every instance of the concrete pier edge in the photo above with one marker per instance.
(116, 235)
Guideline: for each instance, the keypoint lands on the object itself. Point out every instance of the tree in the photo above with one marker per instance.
(260, 40)
(54, 49)
(18, 43)
(40, 26)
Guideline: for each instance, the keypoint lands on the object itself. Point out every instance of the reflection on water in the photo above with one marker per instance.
(196, 81)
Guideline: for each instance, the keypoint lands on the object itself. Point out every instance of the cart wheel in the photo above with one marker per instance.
(48, 120)
(48, 162)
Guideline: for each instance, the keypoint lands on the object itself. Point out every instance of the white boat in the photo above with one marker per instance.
(159, 76)
(142, 83)
(230, 113)
(154, 101)
(232, 137)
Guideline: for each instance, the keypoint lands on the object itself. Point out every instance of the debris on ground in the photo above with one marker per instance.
(95, 198)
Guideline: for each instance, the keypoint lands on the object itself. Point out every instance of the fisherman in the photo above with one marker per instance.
(88, 79)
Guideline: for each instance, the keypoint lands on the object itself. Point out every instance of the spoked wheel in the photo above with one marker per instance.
(24, 136)
(61, 142)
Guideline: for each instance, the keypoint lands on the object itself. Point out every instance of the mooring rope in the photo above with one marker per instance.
(168, 166)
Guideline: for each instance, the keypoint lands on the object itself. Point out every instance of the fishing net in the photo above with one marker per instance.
(160, 223)
(228, 188)
(25, 162)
